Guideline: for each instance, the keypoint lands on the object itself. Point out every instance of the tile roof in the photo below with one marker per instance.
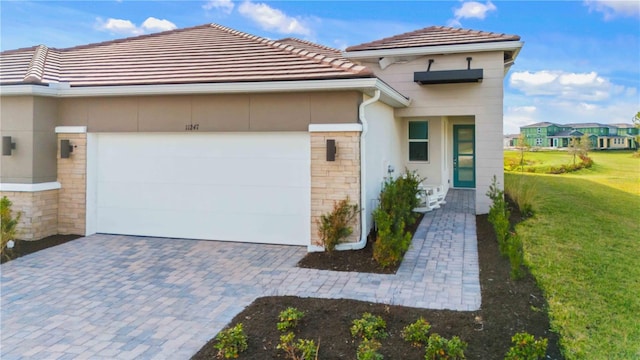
(208, 53)
(434, 36)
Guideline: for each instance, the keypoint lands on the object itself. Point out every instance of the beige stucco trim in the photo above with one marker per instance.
(30, 187)
(71, 129)
(335, 127)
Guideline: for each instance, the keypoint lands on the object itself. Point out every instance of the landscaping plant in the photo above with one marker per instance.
(516, 256)
(289, 318)
(526, 347)
(302, 349)
(398, 198)
(368, 350)
(369, 327)
(8, 225)
(334, 227)
(442, 348)
(231, 342)
(499, 215)
(417, 333)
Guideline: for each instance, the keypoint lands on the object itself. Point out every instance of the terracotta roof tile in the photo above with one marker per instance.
(434, 36)
(206, 53)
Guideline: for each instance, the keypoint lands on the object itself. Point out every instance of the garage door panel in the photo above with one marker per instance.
(237, 187)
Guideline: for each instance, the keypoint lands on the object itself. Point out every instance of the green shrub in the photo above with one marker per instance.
(499, 215)
(302, 349)
(441, 348)
(289, 318)
(523, 192)
(368, 350)
(8, 225)
(398, 198)
(369, 327)
(526, 347)
(516, 256)
(417, 333)
(231, 342)
(334, 227)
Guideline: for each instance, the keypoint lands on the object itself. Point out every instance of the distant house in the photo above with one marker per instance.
(602, 136)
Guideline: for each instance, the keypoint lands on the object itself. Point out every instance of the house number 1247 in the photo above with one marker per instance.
(191, 127)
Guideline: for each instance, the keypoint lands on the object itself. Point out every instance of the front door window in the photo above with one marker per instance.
(464, 161)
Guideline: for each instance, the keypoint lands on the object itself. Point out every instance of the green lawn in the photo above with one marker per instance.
(583, 247)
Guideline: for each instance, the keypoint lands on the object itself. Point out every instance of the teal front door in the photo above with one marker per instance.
(464, 156)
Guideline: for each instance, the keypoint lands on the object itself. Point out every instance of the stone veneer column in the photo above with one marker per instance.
(39, 210)
(72, 175)
(332, 181)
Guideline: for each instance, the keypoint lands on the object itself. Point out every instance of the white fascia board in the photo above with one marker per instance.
(434, 50)
(71, 129)
(30, 187)
(335, 127)
(392, 96)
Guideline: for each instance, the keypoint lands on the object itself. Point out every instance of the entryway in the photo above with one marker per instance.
(464, 160)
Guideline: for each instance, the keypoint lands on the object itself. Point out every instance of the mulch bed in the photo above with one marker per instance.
(507, 307)
(24, 247)
(360, 261)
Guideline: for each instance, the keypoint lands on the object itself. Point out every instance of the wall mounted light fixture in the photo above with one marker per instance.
(7, 145)
(65, 149)
(331, 150)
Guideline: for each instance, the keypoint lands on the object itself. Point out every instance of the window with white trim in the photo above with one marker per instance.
(539, 131)
(418, 141)
(538, 142)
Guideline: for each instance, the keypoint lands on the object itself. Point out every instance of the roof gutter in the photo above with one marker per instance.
(369, 86)
(435, 50)
(363, 176)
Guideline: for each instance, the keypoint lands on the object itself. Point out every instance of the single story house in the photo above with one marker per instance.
(211, 133)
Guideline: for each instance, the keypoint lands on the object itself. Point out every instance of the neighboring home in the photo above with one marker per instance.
(602, 136)
(212, 133)
(510, 141)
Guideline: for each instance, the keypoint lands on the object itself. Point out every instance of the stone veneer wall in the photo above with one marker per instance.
(72, 175)
(332, 181)
(39, 213)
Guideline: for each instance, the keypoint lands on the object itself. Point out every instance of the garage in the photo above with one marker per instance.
(246, 187)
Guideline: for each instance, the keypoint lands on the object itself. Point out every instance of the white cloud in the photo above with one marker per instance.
(474, 10)
(155, 25)
(564, 85)
(615, 8)
(471, 10)
(118, 26)
(226, 6)
(128, 28)
(272, 19)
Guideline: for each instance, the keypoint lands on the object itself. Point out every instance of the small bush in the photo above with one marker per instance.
(334, 227)
(499, 215)
(231, 342)
(302, 349)
(516, 256)
(526, 347)
(369, 327)
(8, 225)
(398, 198)
(441, 348)
(289, 318)
(368, 350)
(417, 333)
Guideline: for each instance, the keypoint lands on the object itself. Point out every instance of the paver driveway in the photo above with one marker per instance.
(122, 297)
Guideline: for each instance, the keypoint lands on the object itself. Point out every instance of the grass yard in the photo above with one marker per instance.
(583, 247)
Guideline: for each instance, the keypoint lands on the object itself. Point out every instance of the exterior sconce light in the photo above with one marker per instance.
(65, 149)
(7, 145)
(331, 150)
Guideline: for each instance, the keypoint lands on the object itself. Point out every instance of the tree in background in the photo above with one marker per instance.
(522, 145)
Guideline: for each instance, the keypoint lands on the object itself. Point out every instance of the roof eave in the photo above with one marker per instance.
(389, 95)
(514, 46)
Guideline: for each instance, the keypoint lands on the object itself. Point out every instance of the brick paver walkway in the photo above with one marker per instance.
(122, 297)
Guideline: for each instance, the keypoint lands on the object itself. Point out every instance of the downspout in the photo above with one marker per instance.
(363, 184)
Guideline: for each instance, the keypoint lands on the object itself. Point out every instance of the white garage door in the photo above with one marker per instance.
(248, 187)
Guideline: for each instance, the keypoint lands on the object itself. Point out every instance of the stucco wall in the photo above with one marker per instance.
(238, 112)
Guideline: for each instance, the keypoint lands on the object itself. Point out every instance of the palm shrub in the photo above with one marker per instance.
(398, 198)
(8, 224)
(334, 227)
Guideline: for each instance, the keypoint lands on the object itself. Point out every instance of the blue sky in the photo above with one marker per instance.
(580, 61)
